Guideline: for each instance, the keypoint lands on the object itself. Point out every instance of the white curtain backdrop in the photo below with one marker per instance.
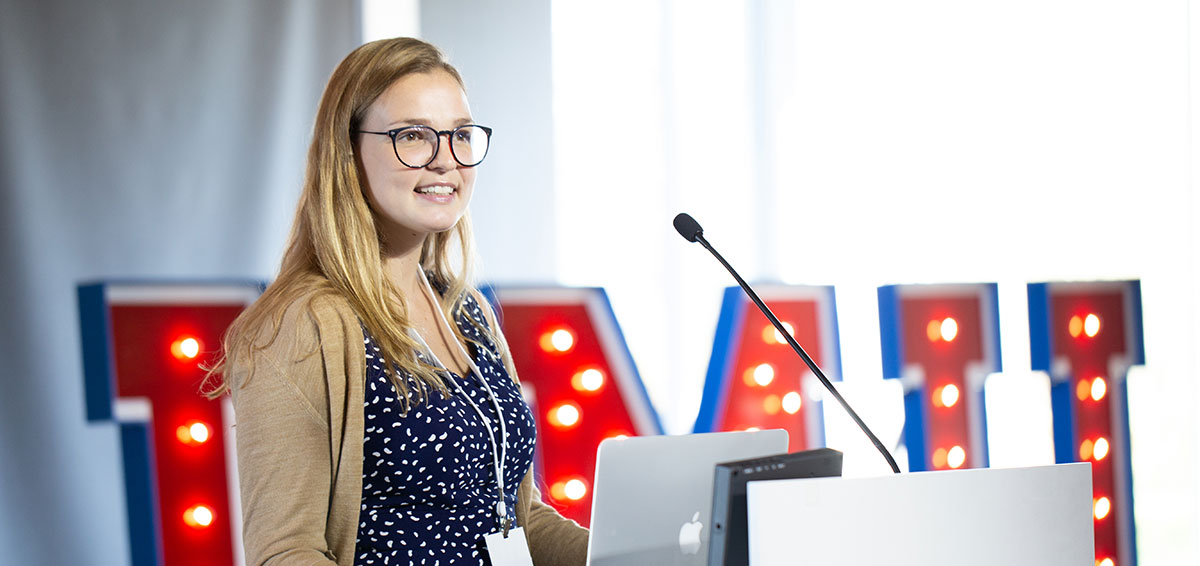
(138, 139)
(867, 142)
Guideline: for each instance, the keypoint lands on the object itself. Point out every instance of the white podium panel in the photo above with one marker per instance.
(985, 517)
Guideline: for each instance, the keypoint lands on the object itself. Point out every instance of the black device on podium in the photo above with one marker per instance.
(729, 542)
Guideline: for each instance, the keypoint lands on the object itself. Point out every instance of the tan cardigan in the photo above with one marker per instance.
(300, 438)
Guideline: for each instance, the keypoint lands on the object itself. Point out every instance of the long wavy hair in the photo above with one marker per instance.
(334, 245)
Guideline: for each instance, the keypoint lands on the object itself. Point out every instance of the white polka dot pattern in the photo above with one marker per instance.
(429, 488)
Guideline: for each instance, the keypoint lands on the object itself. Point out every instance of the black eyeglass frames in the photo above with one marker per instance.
(417, 146)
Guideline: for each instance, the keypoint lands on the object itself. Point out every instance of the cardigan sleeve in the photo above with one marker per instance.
(554, 540)
(284, 461)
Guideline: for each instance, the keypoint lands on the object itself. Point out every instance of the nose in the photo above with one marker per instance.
(443, 159)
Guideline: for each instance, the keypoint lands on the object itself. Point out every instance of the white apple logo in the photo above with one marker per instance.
(689, 535)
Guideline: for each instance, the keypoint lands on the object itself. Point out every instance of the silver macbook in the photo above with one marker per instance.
(652, 496)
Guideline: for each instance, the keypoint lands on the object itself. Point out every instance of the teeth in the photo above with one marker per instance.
(436, 189)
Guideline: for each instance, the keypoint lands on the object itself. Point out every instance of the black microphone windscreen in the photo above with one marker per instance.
(687, 227)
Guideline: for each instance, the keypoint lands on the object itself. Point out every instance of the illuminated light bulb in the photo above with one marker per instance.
(1085, 450)
(198, 516)
(193, 433)
(939, 458)
(937, 398)
(772, 404)
(1075, 326)
(778, 336)
(565, 415)
(1099, 388)
(557, 341)
(1101, 449)
(792, 402)
(559, 490)
(752, 429)
(617, 435)
(949, 329)
(956, 457)
(1105, 562)
(1083, 390)
(1091, 325)
(764, 374)
(589, 380)
(949, 396)
(562, 340)
(199, 432)
(575, 489)
(1102, 507)
(933, 330)
(185, 348)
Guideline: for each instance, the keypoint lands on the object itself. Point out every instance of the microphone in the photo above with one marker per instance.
(688, 227)
(692, 232)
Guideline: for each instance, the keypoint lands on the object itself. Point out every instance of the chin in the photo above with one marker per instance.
(439, 227)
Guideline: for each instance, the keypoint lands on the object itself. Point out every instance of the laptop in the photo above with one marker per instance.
(652, 495)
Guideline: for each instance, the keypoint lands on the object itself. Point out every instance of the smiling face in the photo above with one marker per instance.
(409, 204)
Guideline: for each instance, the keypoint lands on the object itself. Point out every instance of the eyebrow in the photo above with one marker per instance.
(423, 122)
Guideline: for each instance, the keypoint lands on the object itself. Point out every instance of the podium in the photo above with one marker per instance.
(984, 517)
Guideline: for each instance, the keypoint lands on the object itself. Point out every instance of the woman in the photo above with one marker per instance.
(368, 377)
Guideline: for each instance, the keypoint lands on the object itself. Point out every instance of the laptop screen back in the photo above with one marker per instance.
(652, 495)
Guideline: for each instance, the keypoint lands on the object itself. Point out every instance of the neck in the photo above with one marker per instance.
(403, 268)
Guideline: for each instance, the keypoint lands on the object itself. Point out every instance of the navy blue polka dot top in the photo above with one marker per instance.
(429, 485)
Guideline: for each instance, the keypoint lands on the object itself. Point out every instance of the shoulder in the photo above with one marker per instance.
(301, 319)
(303, 334)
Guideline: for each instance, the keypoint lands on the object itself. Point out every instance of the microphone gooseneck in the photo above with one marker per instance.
(691, 231)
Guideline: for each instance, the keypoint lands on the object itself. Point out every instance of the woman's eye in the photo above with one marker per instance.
(462, 135)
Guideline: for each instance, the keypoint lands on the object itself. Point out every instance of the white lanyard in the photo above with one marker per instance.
(498, 454)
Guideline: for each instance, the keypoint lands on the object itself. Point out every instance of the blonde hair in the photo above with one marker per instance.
(334, 246)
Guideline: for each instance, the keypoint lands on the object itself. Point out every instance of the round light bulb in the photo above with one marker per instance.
(199, 432)
(778, 336)
(1099, 388)
(1102, 507)
(949, 396)
(1101, 449)
(792, 402)
(575, 489)
(185, 348)
(562, 340)
(198, 516)
(589, 380)
(1091, 325)
(949, 329)
(956, 457)
(764, 374)
(565, 415)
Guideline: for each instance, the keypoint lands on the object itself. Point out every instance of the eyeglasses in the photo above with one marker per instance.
(417, 146)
